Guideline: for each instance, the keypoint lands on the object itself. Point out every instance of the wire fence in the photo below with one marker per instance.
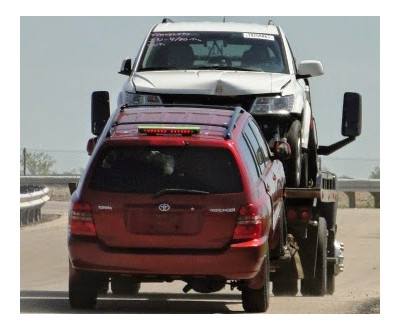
(73, 162)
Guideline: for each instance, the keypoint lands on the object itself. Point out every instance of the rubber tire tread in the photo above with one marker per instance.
(82, 293)
(291, 170)
(257, 301)
(125, 287)
(317, 286)
(285, 287)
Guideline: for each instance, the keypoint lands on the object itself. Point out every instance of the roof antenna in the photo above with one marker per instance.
(224, 20)
(271, 22)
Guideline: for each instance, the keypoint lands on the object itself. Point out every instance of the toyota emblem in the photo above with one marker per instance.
(164, 207)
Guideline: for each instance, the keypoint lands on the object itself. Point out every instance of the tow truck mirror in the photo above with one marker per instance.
(100, 111)
(126, 67)
(90, 145)
(352, 115)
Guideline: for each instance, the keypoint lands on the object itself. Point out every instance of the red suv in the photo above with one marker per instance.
(176, 193)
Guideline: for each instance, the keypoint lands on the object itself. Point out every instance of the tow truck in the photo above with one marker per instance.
(309, 250)
(312, 253)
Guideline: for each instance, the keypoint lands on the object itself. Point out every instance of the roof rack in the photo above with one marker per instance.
(232, 123)
(237, 111)
(167, 20)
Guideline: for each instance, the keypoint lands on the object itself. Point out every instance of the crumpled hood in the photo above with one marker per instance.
(209, 82)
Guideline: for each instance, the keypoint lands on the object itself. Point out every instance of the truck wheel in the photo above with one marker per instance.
(312, 156)
(122, 286)
(285, 287)
(317, 286)
(103, 287)
(330, 284)
(257, 301)
(294, 164)
(82, 291)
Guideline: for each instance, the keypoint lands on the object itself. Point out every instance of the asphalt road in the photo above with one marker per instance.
(44, 276)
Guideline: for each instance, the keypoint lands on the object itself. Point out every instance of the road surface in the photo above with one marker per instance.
(44, 276)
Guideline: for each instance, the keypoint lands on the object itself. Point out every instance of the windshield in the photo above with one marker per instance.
(158, 170)
(213, 50)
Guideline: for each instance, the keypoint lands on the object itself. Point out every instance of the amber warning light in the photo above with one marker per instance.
(182, 130)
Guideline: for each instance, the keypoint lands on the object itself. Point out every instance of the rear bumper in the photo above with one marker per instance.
(238, 262)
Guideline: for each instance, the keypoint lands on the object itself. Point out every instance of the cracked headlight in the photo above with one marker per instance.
(141, 99)
(272, 105)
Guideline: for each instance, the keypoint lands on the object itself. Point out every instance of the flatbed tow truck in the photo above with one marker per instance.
(312, 253)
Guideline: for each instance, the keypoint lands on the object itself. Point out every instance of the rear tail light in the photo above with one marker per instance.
(81, 220)
(249, 224)
(300, 213)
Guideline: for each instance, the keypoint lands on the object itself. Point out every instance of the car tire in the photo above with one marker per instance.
(122, 286)
(287, 287)
(103, 287)
(82, 292)
(330, 284)
(257, 300)
(317, 286)
(293, 166)
(312, 156)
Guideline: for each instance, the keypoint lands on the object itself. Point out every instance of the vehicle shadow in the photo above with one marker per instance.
(35, 302)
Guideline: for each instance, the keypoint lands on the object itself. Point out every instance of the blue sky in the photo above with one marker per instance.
(64, 59)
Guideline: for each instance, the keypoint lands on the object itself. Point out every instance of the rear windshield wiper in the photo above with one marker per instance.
(178, 191)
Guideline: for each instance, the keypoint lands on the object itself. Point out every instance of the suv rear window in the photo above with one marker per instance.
(149, 169)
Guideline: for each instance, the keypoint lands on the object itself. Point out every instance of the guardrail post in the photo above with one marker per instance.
(377, 199)
(24, 156)
(352, 199)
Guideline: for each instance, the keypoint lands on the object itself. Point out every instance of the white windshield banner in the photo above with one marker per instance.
(258, 36)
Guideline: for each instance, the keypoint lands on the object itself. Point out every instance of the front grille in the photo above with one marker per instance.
(244, 101)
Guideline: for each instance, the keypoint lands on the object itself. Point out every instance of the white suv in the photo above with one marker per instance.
(249, 65)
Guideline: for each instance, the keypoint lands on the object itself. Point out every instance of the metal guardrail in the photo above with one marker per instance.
(359, 185)
(348, 186)
(48, 180)
(31, 202)
(351, 186)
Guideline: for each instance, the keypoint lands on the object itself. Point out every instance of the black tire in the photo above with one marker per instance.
(257, 301)
(103, 287)
(124, 286)
(312, 156)
(293, 166)
(304, 171)
(317, 286)
(82, 292)
(285, 287)
(330, 284)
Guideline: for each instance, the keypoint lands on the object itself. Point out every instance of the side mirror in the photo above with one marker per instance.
(100, 111)
(90, 145)
(126, 67)
(309, 68)
(283, 150)
(352, 115)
